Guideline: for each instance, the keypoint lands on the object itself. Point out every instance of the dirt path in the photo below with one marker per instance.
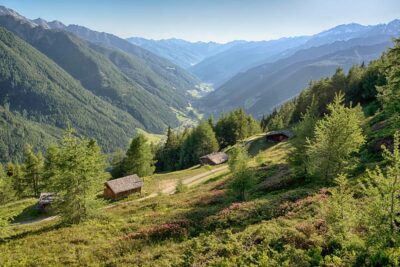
(169, 189)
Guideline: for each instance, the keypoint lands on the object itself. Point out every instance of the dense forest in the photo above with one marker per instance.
(334, 200)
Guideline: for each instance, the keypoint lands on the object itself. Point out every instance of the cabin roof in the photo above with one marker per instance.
(216, 157)
(46, 198)
(124, 183)
(287, 133)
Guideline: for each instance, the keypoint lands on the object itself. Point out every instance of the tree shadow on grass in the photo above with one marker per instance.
(41, 230)
(30, 213)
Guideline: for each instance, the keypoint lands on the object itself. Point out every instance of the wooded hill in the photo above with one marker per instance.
(123, 86)
(327, 197)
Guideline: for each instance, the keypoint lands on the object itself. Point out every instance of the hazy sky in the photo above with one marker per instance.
(209, 20)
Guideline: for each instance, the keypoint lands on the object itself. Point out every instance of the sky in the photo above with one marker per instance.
(209, 20)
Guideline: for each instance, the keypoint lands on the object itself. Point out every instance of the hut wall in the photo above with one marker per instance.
(206, 161)
(277, 138)
(108, 193)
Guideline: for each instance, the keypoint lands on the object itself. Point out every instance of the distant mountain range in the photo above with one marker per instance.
(226, 60)
(181, 52)
(53, 75)
(283, 75)
(102, 85)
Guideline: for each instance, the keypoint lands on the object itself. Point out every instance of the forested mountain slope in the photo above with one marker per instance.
(172, 74)
(100, 76)
(263, 88)
(223, 66)
(40, 96)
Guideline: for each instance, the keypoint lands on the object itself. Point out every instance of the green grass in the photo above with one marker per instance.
(152, 138)
(204, 225)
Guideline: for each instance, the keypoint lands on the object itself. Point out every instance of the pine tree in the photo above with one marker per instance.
(6, 190)
(50, 167)
(389, 94)
(79, 174)
(117, 168)
(340, 211)
(243, 179)
(382, 207)
(16, 173)
(235, 126)
(303, 131)
(139, 158)
(338, 137)
(34, 164)
(201, 141)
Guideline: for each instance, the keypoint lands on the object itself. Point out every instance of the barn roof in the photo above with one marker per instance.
(46, 198)
(216, 157)
(125, 183)
(287, 133)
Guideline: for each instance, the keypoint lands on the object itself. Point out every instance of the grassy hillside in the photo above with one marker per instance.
(164, 230)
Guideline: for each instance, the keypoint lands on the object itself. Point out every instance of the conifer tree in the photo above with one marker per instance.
(117, 163)
(389, 94)
(201, 141)
(6, 190)
(139, 158)
(303, 131)
(243, 179)
(34, 164)
(79, 174)
(50, 167)
(340, 211)
(16, 173)
(338, 137)
(382, 189)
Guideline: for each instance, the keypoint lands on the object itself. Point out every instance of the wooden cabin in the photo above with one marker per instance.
(214, 158)
(122, 187)
(279, 136)
(45, 200)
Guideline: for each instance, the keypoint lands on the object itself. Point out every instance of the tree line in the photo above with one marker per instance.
(182, 149)
(363, 214)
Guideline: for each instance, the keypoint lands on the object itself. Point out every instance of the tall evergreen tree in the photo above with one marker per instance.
(117, 168)
(34, 164)
(139, 158)
(201, 141)
(16, 173)
(338, 136)
(389, 94)
(383, 204)
(243, 179)
(79, 174)
(50, 167)
(235, 126)
(340, 211)
(6, 190)
(303, 131)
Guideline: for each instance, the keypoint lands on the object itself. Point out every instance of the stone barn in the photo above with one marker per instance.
(214, 158)
(279, 136)
(122, 187)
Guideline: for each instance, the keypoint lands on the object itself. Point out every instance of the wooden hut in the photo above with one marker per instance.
(214, 158)
(279, 136)
(122, 187)
(45, 200)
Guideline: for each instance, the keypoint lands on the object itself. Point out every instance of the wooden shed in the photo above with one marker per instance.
(279, 136)
(45, 200)
(214, 158)
(122, 187)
